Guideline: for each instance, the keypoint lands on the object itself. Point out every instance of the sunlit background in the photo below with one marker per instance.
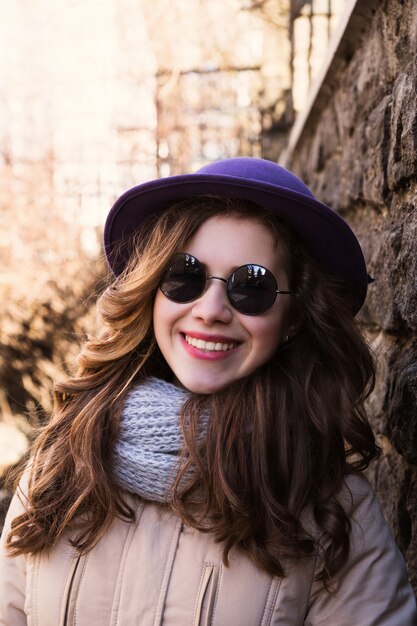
(99, 95)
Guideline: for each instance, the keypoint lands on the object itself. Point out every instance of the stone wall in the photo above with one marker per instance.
(358, 151)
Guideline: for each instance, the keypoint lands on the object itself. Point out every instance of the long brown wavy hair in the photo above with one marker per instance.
(279, 442)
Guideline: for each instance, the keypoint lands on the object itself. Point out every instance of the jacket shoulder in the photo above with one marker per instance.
(12, 570)
(372, 588)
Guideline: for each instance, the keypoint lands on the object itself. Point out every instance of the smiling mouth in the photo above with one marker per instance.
(209, 346)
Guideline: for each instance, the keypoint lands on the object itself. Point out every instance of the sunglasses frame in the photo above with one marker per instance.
(199, 264)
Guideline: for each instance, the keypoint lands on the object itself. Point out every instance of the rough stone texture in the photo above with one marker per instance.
(359, 154)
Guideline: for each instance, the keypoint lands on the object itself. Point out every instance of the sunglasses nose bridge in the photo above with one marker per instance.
(217, 278)
(220, 278)
(212, 305)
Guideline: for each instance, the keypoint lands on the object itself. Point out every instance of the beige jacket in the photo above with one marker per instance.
(158, 572)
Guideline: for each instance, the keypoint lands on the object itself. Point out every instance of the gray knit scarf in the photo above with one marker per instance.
(146, 454)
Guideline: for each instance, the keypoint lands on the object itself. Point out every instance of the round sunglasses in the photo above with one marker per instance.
(251, 289)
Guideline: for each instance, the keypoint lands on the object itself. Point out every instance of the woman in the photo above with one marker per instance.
(204, 465)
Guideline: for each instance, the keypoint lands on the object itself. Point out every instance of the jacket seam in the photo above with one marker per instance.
(312, 578)
(114, 616)
(206, 564)
(78, 588)
(217, 594)
(203, 571)
(270, 603)
(66, 587)
(35, 586)
(167, 572)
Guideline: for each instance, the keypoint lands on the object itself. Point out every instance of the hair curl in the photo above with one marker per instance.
(279, 442)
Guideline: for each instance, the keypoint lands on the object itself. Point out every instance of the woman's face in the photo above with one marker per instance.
(207, 343)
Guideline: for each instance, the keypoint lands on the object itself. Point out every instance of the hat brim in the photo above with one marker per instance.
(325, 233)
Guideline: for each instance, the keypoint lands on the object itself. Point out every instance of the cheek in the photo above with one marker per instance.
(267, 334)
(160, 314)
(165, 315)
(266, 341)
(267, 331)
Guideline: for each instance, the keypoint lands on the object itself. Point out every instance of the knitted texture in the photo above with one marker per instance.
(146, 454)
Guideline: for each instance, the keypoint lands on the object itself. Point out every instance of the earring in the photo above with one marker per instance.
(286, 339)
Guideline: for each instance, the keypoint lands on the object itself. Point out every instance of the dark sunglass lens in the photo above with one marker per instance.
(184, 280)
(252, 289)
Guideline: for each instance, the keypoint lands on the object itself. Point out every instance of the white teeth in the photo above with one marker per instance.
(209, 346)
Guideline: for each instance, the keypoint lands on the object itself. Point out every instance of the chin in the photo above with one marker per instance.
(202, 387)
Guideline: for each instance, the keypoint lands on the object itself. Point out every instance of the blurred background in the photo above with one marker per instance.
(99, 95)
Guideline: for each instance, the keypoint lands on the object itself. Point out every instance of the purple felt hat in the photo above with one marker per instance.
(325, 233)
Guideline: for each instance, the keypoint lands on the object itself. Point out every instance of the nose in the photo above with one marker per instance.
(213, 306)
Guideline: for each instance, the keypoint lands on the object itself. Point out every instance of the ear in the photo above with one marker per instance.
(294, 325)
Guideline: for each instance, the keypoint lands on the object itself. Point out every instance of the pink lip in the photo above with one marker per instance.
(208, 356)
